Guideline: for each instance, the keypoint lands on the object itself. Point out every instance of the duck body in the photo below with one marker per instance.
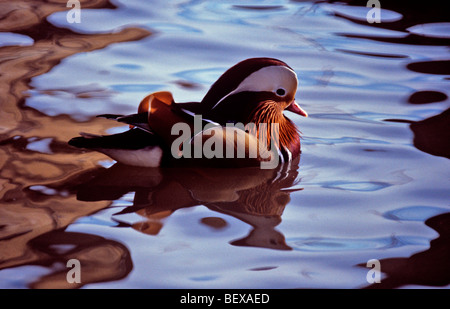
(239, 122)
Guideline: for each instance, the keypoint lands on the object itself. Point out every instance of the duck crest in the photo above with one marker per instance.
(231, 79)
(276, 129)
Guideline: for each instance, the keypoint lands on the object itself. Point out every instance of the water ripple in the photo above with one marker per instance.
(307, 140)
(146, 88)
(360, 13)
(201, 76)
(433, 30)
(224, 12)
(362, 186)
(329, 244)
(9, 39)
(173, 28)
(414, 213)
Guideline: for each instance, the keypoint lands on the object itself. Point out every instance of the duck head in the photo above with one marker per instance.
(251, 85)
(258, 91)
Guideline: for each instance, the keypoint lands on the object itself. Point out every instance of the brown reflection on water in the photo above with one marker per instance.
(427, 268)
(431, 135)
(101, 259)
(30, 214)
(413, 13)
(34, 233)
(252, 195)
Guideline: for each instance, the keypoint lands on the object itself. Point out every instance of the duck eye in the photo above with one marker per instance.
(281, 92)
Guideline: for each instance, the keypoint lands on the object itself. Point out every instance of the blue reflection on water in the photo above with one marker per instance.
(414, 213)
(201, 76)
(169, 28)
(11, 39)
(229, 13)
(363, 186)
(204, 278)
(96, 221)
(136, 87)
(307, 140)
(327, 244)
(129, 66)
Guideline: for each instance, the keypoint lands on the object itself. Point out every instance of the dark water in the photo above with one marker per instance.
(372, 182)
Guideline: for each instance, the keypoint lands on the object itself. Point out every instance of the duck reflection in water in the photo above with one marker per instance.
(253, 195)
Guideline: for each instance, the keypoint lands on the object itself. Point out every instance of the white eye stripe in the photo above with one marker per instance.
(270, 78)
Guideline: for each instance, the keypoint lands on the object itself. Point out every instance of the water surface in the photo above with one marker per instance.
(372, 181)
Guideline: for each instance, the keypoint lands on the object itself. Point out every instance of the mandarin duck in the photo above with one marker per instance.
(241, 112)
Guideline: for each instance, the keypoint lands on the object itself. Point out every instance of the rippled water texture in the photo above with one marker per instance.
(372, 182)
